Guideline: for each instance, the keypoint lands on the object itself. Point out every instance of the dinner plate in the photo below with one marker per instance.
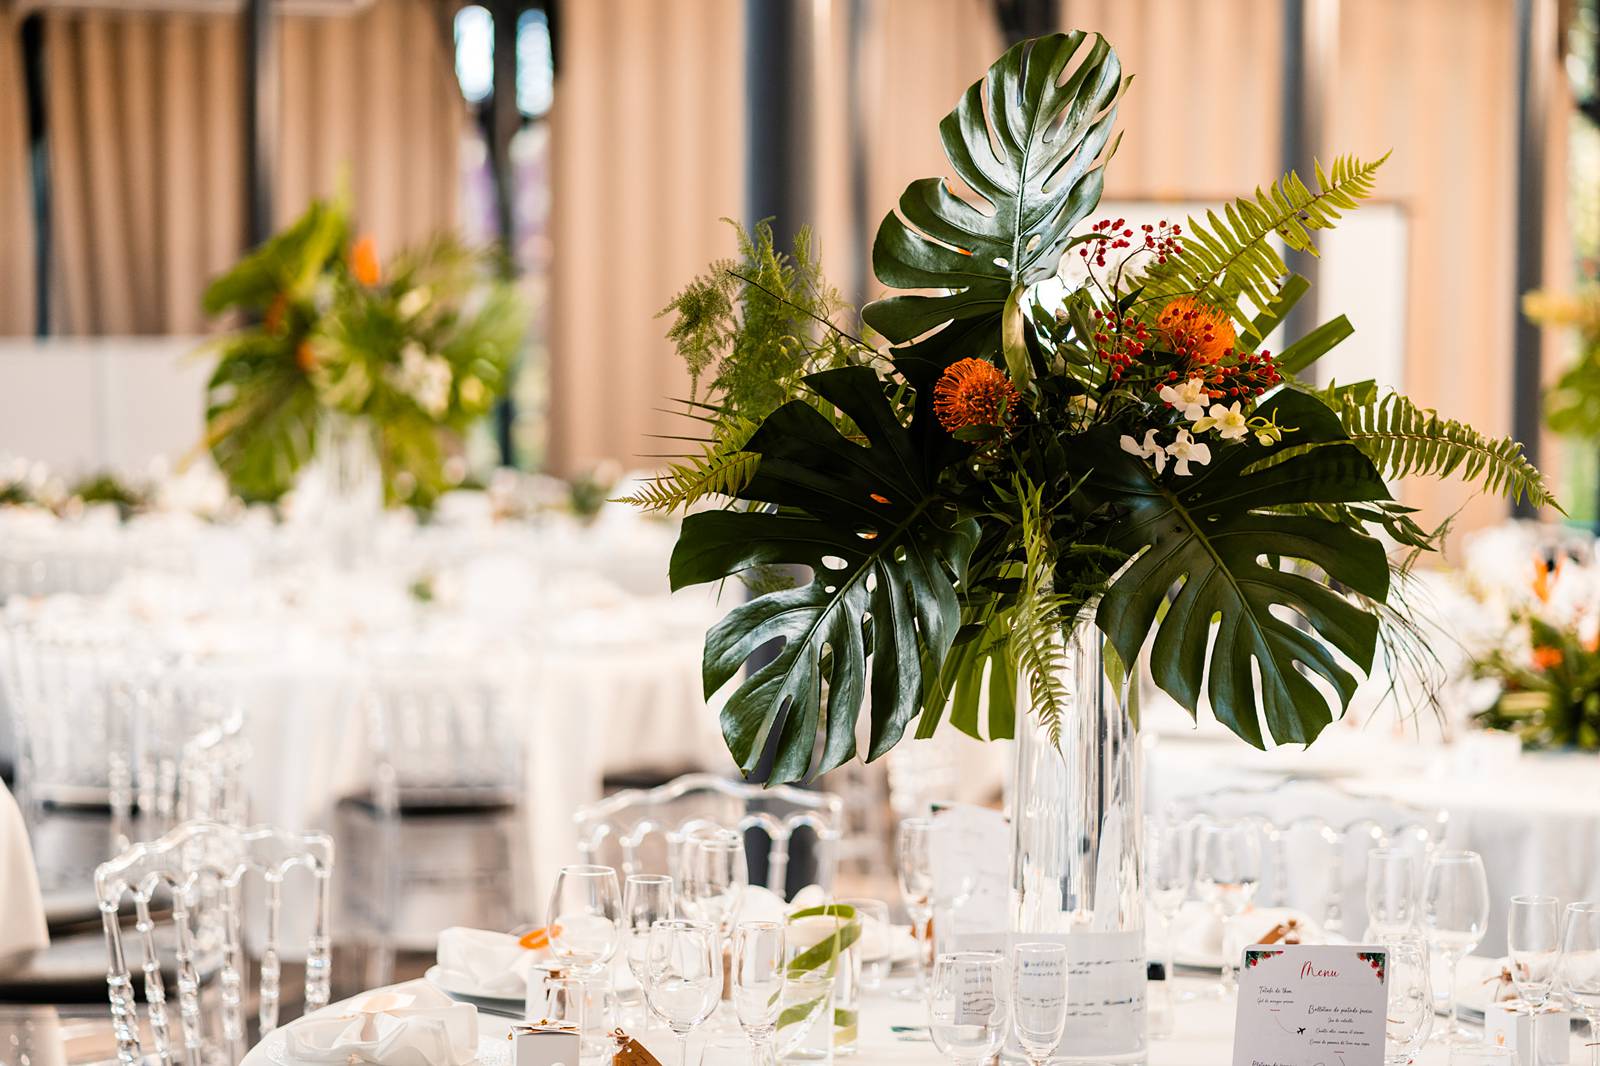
(492, 1051)
(460, 987)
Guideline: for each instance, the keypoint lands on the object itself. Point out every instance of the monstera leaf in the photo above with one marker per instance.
(1209, 533)
(886, 552)
(1030, 143)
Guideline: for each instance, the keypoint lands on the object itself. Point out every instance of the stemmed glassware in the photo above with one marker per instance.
(1578, 968)
(1533, 943)
(1226, 872)
(1039, 999)
(646, 900)
(1391, 893)
(683, 976)
(1455, 914)
(969, 1006)
(1410, 1008)
(715, 874)
(585, 921)
(758, 972)
(1168, 873)
(914, 864)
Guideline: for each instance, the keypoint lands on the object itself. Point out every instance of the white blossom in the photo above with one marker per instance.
(1229, 422)
(1189, 398)
(425, 378)
(1148, 450)
(1186, 450)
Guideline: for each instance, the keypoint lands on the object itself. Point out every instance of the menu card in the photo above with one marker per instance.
(1311, 1005)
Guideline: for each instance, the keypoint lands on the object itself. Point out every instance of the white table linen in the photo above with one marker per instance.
(22, 921)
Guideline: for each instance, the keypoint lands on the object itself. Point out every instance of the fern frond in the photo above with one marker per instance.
(1039, 625)
(722, 468)
(1224, 257)
(1404, 439)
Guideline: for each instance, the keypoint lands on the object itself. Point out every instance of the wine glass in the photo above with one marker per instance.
(1226, 872)
(646, 900)
(683, 976)
(875, 948)
(585, 917)
(1391, 893)
(758, 969)
(968, 1008)
(1168, 873)
(1533, 942)
(1039, 998)
(914, 864)
(1410, 1011)
(1455, 914)
(715, 874)
(1579, 967)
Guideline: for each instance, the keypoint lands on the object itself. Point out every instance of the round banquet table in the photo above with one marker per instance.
(1205, 1039)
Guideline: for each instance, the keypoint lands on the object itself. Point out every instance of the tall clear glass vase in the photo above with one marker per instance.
(1075, 872)
(341, 489)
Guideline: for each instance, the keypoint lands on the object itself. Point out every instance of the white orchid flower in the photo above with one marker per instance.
(1189, 398)
(1148, 450)
(1229, 422)
(1186, 450)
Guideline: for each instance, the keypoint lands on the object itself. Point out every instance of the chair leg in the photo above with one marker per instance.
(381, 959)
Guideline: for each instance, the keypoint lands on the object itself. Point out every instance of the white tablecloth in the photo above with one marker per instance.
(22, 921)
(1204, 1028)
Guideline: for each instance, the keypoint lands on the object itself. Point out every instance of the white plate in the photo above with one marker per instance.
(459, 986)
(492, 1051)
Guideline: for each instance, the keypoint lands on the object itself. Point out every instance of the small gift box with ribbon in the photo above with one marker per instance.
(1509, 1023)
(544, 1043)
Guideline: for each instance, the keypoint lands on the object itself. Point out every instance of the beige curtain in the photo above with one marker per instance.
(16, 186)
(146, 157)
(647, 152)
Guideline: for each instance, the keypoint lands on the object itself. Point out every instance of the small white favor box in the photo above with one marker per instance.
(544, 1045)
(1509, 1023)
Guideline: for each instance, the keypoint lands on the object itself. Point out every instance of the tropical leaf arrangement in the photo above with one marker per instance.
(1062, 423)
(414, 351)
(1572, 405)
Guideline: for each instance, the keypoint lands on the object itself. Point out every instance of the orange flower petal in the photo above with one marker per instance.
(364, 261)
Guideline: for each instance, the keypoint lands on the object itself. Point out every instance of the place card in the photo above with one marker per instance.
(1321, 1005)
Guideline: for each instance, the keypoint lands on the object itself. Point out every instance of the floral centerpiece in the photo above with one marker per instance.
(1009, 467)
(411, 352)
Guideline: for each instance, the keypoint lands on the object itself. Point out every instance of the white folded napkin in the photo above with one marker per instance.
(413, 1024)
(485, 962)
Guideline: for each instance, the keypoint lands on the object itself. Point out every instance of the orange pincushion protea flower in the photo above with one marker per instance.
(1547, 658)
(974, 393)
(1196, 331)
(364, 261)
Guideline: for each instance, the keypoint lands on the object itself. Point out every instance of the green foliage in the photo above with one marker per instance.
(1552, 701)
(1041, 624)
(723, 468)
(1405, 440)
(1209, 538)
(1224, 257)
(881, 544)
(1036, 177)
(287, 266)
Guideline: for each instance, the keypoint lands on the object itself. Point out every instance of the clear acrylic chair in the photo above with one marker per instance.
(643, 830)
(447, 769)
(202, 869)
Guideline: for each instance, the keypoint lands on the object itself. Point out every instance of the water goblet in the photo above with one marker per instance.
(758, 976)
(1168, 873)
(1391, 893)
(584, 924)
(1039, 999)
(914, 865)
(1455, 914)
(715, 874)
(1533, 944)
(1578, 967)
(968, 1006)
(646, 900)
(1409, 1015)
(683, 976)
(1226, 872)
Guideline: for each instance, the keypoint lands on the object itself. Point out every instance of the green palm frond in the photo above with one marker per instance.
(1039, 626)
(722, 468)
(1224, 257)
(1403, 439)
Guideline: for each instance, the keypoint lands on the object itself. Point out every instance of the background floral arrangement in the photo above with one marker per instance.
(416, 350)
(1128, 454)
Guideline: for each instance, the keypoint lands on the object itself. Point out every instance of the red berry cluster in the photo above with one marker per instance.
(1162, 239)
(1119, 343)
(1252, 375)
(1107, 234)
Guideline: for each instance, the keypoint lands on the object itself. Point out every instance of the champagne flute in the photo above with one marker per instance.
(1226, 873)
(1410, 1007)
(1168, 872)
(1391, 893)
(646, 900)
(585, 923)
(1533, 942)
(1455, 914)
(1039, 998)
(914, 864)
(1579, 967)
(715, 874)
(683, 976)
(758, 971)
(968, 1006)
